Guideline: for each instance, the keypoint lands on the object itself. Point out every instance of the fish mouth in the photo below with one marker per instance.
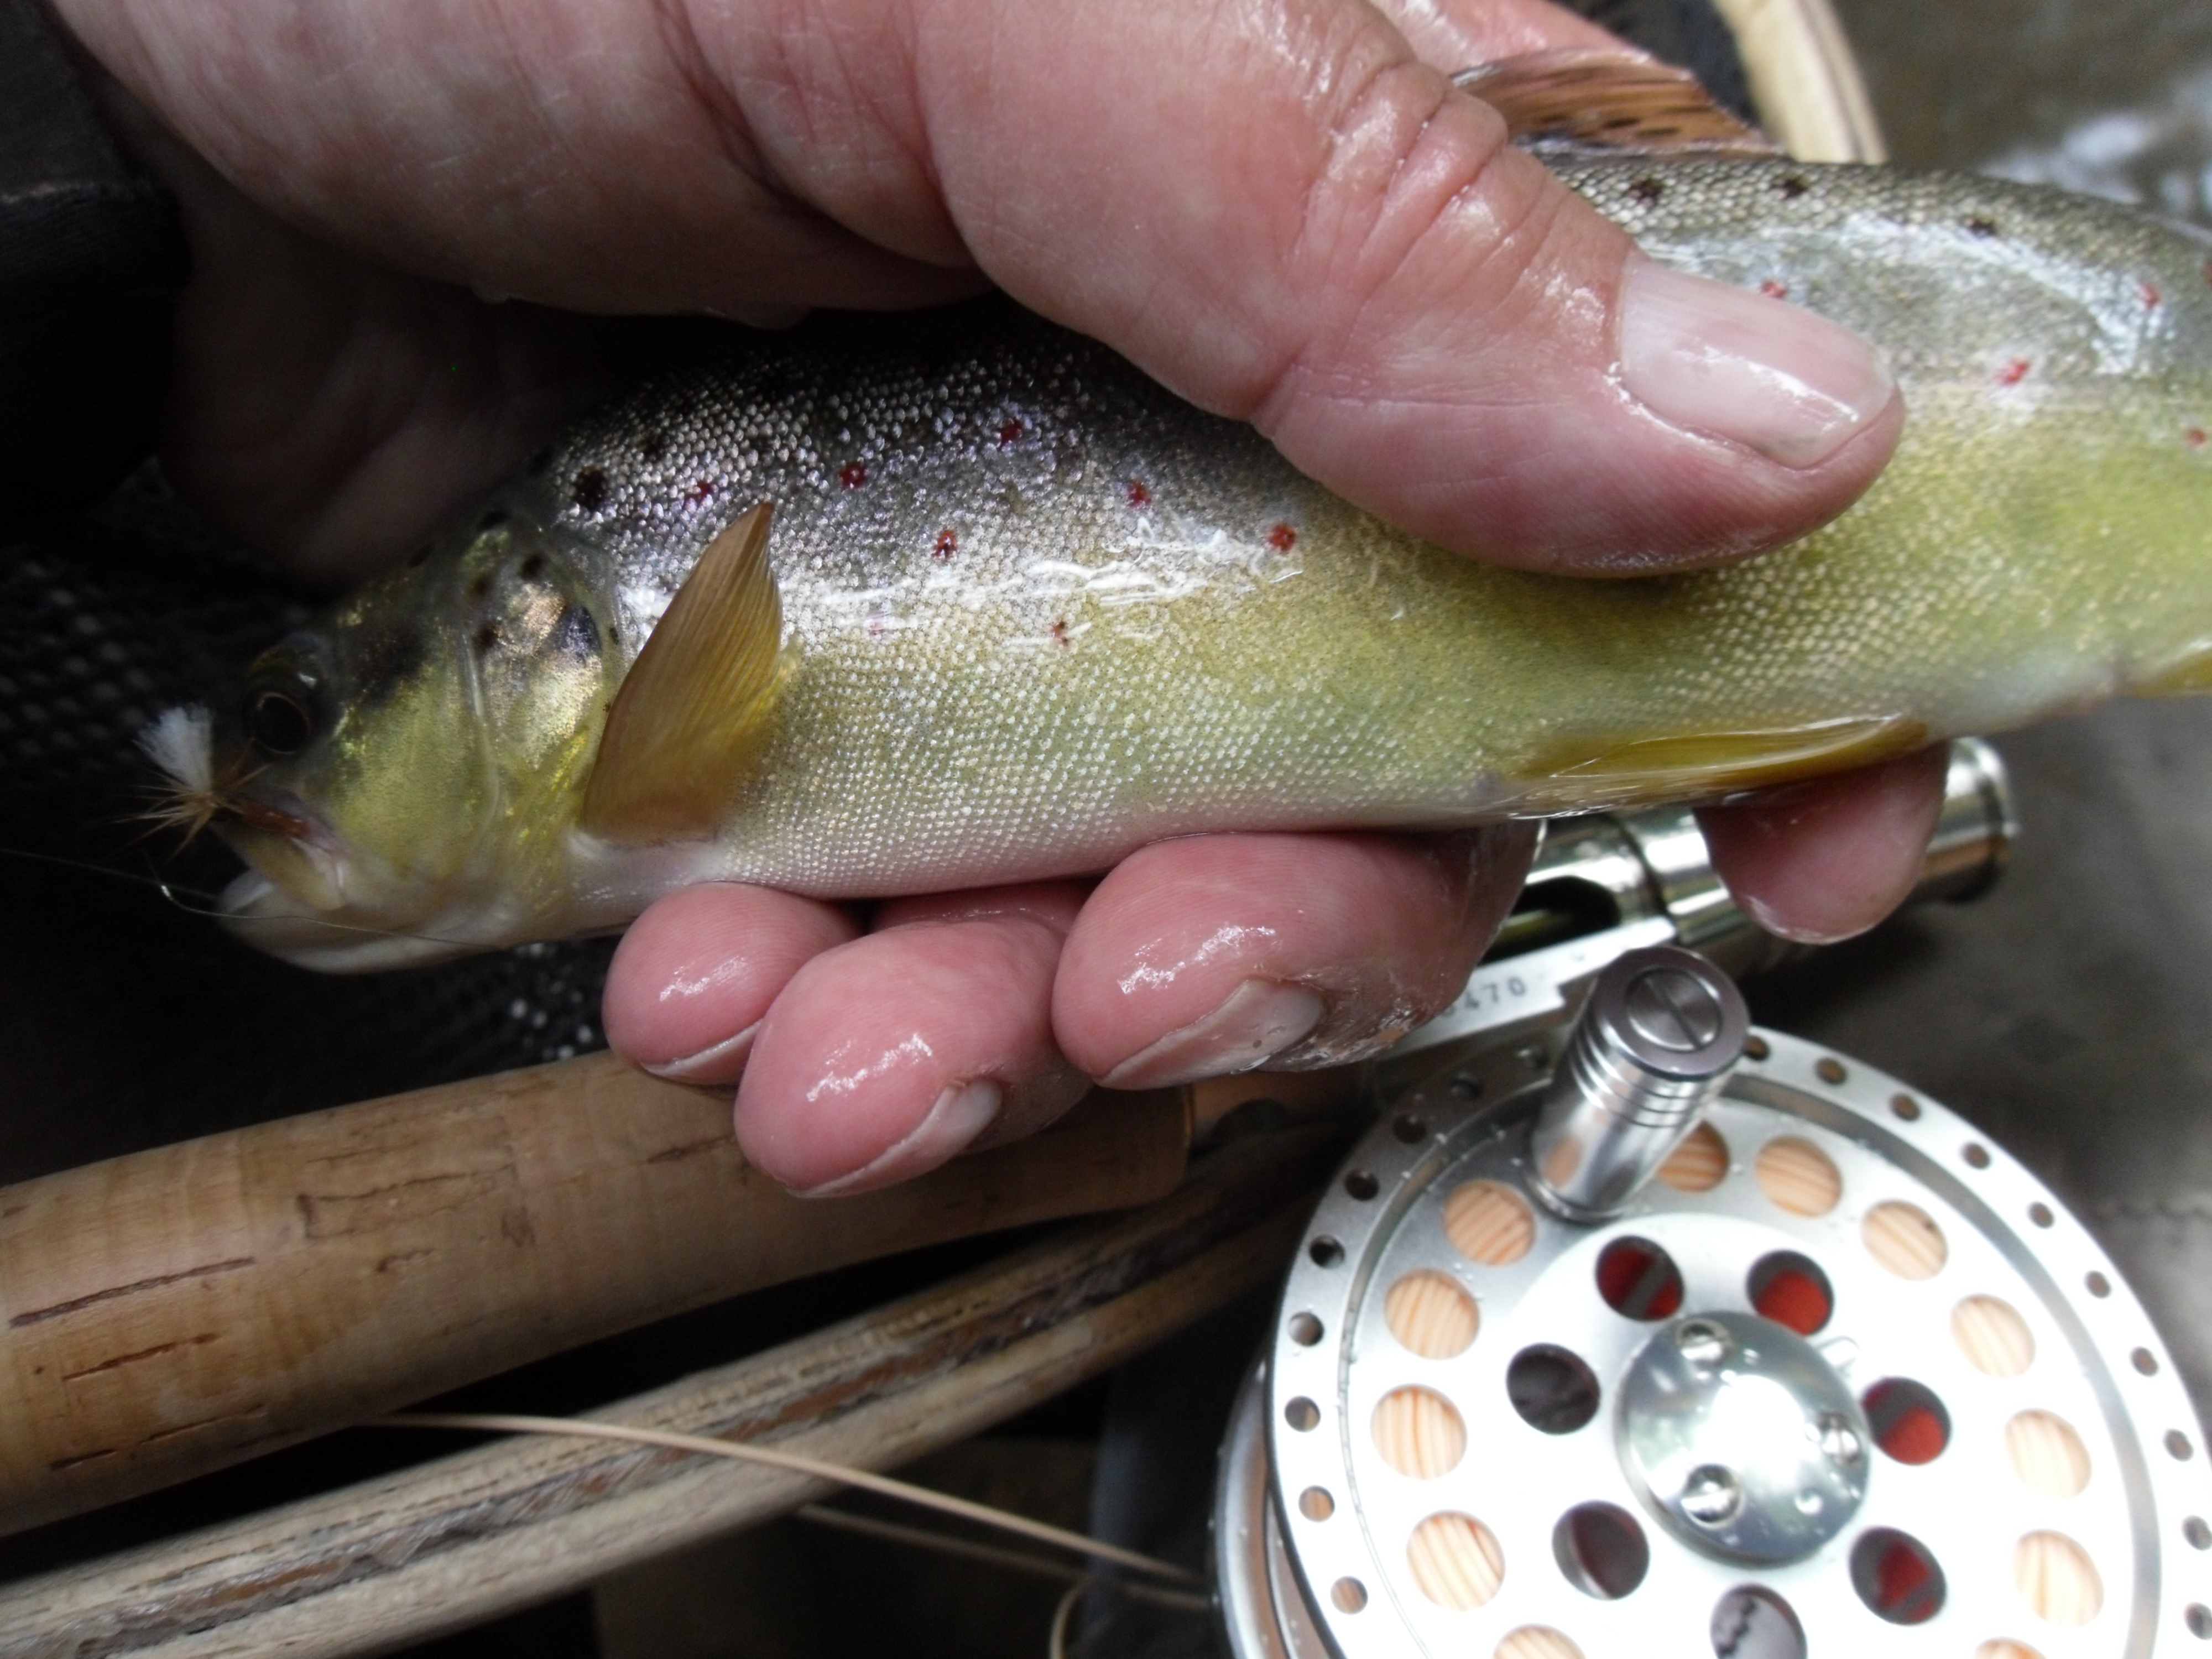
(301, 898)
(339, 939)
(290, 848)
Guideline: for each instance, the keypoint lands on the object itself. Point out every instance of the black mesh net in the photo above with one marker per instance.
(126, 1018)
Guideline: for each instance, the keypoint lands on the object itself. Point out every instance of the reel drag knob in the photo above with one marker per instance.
(1746, 1442)
(1657, 1040)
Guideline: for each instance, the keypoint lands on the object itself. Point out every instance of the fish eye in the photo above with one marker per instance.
(281, 708)
(279, 723)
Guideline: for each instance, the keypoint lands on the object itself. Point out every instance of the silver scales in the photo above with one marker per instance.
(1646, 1333)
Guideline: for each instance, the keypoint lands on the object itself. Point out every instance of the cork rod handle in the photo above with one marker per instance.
(168, 1312)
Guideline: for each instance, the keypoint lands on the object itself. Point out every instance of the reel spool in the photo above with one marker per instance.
(1839, 1377)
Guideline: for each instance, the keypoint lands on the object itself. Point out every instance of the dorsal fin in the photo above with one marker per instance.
(695, 708)
(1585, 99)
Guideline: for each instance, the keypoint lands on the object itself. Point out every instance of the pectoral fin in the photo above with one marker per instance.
(1607, 101)
(1713, 762)
(695, 708)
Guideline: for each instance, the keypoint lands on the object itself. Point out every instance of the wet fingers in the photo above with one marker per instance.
(1823, 859)
(890, 1053)
(1221, 953)
(695, 975)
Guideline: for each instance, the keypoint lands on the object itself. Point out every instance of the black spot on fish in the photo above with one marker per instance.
(1647, 190)
(536, 465)
(654, 446)
(574, 634)
(533, 567)
(481, 586)
(1792, 185)
(384, 658)
(591, 491)
(1980, 227)
(493, 519)
(486, 637)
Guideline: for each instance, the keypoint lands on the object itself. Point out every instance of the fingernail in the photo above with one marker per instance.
(1798, 931)
(962, 1113)
(1260, 1018)
(725, 1062)
(1737, 365)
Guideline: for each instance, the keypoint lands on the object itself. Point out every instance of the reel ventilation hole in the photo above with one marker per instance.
(1926, 1318)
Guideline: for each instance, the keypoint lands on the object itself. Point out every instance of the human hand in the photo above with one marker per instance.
(1278, 207)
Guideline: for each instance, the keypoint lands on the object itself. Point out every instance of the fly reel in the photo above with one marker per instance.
(1658, 1336)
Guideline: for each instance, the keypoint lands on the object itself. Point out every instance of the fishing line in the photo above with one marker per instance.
(868, 1526)
(321, 921)
(1056, 1645)
(1056, 1642)
(1060, 1538)
(168, 889)
(209, 904)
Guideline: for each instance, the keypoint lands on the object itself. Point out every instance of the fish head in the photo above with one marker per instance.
(400, 773)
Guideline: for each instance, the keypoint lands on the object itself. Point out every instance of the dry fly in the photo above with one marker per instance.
(193, 792)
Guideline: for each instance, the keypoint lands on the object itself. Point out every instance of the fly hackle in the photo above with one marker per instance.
(191, 793)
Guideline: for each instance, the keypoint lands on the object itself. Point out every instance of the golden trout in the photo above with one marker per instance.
(1016, 611)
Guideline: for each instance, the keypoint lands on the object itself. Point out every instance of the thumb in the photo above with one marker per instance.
(1286, 216)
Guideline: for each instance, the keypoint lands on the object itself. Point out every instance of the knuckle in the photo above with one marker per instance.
(1419, 217)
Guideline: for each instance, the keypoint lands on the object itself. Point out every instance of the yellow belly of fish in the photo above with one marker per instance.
(1371, 680)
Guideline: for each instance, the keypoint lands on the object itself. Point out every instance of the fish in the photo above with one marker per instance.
(904, 605)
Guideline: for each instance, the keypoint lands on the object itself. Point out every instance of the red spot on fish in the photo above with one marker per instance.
(1009, 433)
(944, 546)
(852, 474)
(1138, 495)
(2151, 296)
(1060, 631)
(2194, 437)
(2013, 372)
(700, 491)
(1774, 290)
(875, 628)
(1282, 538)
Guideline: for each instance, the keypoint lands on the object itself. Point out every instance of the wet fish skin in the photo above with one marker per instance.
(1037, 612)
